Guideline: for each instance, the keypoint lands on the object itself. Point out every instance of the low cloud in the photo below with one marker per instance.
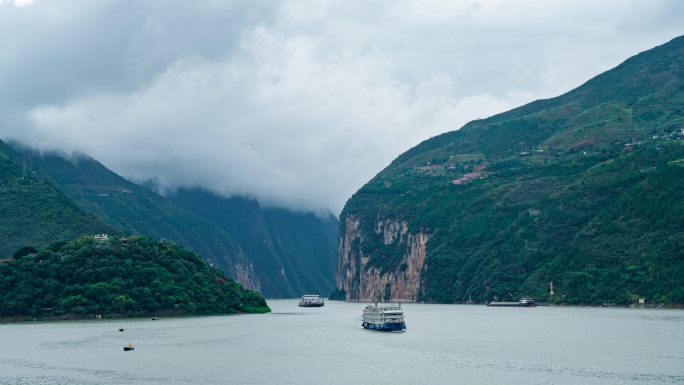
(294, 106)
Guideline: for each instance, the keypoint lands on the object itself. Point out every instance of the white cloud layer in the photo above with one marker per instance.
(295, 104)
(18, 3)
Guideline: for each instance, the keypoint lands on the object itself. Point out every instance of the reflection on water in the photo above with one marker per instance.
(442, 344)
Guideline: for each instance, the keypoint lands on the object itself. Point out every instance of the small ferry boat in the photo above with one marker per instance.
(120, 328)
(154, 318)
(129, 347)
(388, 317)
(311, 300)
(522, 302)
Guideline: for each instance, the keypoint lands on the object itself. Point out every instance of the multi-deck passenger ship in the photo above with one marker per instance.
(311, 300)
(388, 317)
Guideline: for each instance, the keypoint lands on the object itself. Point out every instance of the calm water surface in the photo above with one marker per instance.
(443, 344)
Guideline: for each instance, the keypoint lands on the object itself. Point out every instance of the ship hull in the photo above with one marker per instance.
(388, 327)
(311, 300)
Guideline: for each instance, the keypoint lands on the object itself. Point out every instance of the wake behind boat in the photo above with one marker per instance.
(311, 300)
(388, 317)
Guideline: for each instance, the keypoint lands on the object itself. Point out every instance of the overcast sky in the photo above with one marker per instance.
(297, 104)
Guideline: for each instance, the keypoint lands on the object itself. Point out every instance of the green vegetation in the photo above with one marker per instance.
(232, 234)
(567, 195)
(139, 211)
(134, 277)
(33, 212)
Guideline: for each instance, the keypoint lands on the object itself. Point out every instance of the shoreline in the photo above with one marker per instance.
(107, 317)
(539, 304)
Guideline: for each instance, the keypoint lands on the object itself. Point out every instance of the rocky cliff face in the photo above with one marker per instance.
(238, 267)
(367, 282)
(245, 275)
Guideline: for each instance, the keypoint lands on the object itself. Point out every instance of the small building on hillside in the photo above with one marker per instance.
(101, 239)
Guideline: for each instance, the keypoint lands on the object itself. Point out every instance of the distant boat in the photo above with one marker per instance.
(120, 328)
(311, 300)
(154, 318)
(523, 302)
(129, 347)
(389, 317)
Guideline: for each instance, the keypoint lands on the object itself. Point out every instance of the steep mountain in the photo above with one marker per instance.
(293, 253)
(139, 211)
(33, 212)
(585, 190)
(281, 253)
(308, 244)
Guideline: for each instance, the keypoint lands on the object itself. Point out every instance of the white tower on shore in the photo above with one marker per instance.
(551, 285)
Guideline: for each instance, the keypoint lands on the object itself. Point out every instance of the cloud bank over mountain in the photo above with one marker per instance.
(294, 104)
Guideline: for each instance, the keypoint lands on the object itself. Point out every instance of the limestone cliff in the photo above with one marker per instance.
(398, 280)
(239, 268)
(245, 275)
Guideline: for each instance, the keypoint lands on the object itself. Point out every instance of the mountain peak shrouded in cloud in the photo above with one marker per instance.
(296, 106)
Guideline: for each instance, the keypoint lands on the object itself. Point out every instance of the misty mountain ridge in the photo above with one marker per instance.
(35, 212)
(139, 211)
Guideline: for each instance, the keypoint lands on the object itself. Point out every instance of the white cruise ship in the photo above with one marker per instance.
(311, 300)
(388, 317)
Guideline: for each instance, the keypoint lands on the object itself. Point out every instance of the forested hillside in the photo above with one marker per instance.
(33, 212)
(281, 253)
(125, 277)
(585, 190)
(139, 211)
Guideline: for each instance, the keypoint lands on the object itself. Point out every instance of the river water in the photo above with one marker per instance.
(443, 344)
